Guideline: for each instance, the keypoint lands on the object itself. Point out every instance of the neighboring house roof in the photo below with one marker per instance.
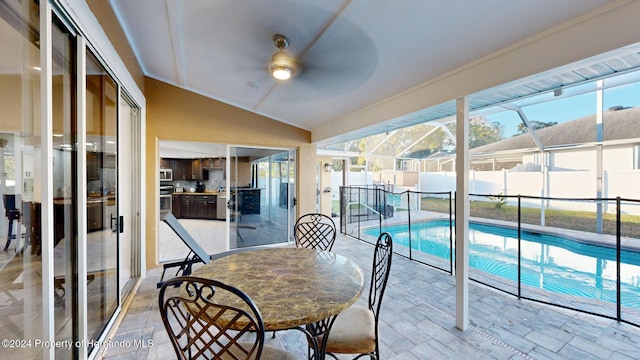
(618, 124)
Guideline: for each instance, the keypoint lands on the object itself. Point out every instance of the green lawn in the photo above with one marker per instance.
(575, 220)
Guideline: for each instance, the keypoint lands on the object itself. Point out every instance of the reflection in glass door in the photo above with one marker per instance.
(259, 187)
(102, 196)
(21, 180)
(65, 200)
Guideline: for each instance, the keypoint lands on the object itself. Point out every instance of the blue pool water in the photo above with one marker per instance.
(548, 263)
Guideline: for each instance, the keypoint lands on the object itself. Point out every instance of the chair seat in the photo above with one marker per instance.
(353, 332)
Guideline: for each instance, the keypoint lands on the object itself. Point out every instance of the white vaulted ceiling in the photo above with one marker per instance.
(355, 54)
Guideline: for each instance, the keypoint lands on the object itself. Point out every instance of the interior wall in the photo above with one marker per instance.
(180, 115)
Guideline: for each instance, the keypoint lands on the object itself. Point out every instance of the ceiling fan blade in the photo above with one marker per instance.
(337, 66)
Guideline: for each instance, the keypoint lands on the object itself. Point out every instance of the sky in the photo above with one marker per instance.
(567, 107)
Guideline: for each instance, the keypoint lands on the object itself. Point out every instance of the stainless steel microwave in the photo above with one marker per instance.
(166, 175)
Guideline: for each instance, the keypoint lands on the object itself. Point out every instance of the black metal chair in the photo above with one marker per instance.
(12, 213)
(315, 231)
(206, 319)
(355, 330)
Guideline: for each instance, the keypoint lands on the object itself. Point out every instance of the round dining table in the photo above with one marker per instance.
(293, 288)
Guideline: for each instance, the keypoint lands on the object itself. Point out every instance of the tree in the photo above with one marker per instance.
(535, 125)
(481, 132)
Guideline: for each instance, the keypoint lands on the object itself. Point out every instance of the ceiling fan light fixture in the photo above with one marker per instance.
(282, 66)
(281, 72)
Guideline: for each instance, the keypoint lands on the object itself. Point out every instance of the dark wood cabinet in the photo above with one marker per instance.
(179, 168)
(186, 169)
(176, 205)
(210, 207)
(94, 217)
(94, 163)
(196, 169)
(165, 163)
(201, 207)
(189, 206)
(206, 207)
(195, 206)
(213, 163)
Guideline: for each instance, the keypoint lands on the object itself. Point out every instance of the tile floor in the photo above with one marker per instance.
(417, 322)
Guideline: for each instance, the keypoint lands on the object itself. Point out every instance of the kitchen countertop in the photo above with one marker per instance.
(207, 192)
(91, 200)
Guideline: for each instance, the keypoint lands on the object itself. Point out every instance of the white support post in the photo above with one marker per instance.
(599, 165)
(462, 213)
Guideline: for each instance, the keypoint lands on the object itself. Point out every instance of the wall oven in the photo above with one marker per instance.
(165, 199)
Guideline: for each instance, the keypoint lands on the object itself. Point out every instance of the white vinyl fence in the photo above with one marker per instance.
(559, 184)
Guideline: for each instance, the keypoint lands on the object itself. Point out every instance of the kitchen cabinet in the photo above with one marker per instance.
(94, 164)
(165, 163)
(94, 216)
(176, 205)
(212, 207)
(200, 206)
(206, 207)
(189, 207)
(214, 168)
(196, 169)
(213, 163)
(186, 169)
(179, 169)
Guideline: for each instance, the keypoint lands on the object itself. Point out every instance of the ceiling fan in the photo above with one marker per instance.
(283, 66)
(336, 63)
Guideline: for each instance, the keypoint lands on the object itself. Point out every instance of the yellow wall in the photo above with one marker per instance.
(181, 115)
(11, 109)
(109, 23)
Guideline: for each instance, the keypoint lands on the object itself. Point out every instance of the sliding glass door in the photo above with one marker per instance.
(102, 196)
(21, 178)
(260, 188)
(65, 185)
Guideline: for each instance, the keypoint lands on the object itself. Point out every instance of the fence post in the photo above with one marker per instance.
(618, 246)
(384, 193)
(409, 221)
(359, 210)
(450, 233)
(519, 248)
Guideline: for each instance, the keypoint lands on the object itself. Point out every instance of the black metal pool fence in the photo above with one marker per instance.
(368, 209)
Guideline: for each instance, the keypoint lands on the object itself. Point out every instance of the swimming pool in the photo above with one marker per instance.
(549, 264)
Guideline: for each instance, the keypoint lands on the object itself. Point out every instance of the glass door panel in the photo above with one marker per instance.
(20, 180)
(259, 188)
(291, 199)
(65, 233)
(102, 197)
(129, 119)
